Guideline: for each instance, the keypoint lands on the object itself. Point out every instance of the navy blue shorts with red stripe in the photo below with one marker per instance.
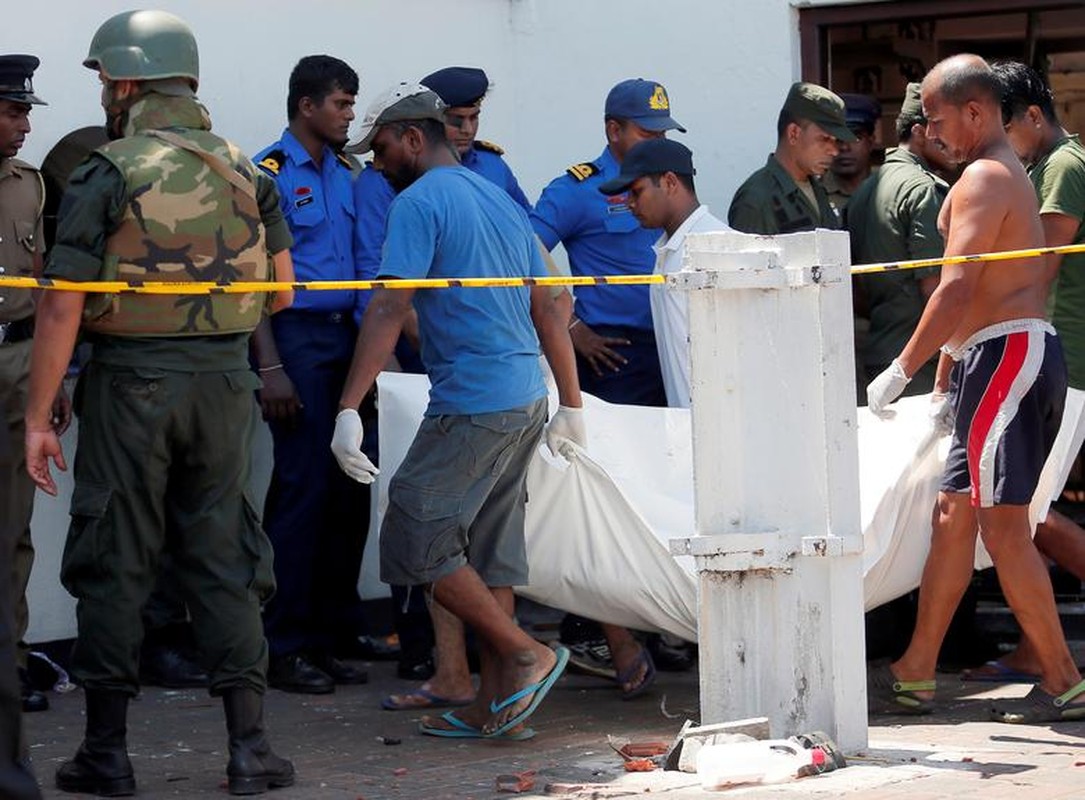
(1008, 390)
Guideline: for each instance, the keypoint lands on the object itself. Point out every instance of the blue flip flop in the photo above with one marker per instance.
(537, 691)
(461, 730)
(997, 672)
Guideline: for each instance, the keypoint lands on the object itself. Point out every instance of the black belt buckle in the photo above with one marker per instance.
(18, 331)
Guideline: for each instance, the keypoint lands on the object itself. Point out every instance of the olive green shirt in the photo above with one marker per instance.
(770, 202)
(22, 196)
(893, 216)
(1059, 178)
(91, 210)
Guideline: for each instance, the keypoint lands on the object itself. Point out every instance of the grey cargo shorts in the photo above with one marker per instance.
(458, 498)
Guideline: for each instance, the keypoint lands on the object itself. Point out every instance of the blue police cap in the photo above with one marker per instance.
(643, 102)
(651, 157)
(458, 86)
(861, 111)
(15, 74)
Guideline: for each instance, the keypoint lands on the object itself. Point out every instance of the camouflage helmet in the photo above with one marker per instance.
(143, 46)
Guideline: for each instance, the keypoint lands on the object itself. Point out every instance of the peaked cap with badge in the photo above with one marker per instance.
(16, 72)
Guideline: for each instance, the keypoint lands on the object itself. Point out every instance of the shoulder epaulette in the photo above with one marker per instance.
(272, 162)
(19, 164)
(581, 172)
(482, 144)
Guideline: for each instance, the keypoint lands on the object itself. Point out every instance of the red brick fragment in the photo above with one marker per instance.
(516, 782)
(640, 765)
(399, 771)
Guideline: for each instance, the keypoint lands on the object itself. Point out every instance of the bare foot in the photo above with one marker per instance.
(442, 724)
(528, 667)
(431, 694)
(628, 657)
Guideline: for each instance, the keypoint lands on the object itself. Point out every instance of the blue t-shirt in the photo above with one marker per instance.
(602, 237)
(478, 344)
(318, 204)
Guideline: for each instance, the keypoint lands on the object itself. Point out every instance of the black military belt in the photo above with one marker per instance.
(18, 331)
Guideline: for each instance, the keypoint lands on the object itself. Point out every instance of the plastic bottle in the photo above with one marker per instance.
(720, 766)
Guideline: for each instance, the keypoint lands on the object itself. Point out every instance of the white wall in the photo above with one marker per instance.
(726, 64)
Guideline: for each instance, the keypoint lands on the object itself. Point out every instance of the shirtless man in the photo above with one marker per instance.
(1007, 389)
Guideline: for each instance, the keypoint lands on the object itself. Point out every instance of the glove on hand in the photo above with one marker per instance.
(347, 447)
(566, 429)
(886, 388)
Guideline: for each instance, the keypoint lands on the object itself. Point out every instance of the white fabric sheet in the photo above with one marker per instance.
(598, 529)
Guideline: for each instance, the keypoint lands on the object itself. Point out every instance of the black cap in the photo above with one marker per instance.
(458, 86)
(15, 75)
(861, 111)
(651, 157)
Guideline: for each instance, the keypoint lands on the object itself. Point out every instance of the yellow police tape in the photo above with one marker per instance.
(245, 287)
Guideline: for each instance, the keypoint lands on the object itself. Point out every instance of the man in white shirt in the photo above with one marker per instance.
(658, 175)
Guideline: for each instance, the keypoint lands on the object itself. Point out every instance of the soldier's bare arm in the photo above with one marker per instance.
(1059, 230)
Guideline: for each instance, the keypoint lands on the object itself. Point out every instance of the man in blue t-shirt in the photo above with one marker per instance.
(455, 519)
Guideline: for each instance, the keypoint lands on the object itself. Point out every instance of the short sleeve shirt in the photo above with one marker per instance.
(373, 196)
(602, 237)
(479, 345)
(317, 203)
(1059, 179)
(484, 160)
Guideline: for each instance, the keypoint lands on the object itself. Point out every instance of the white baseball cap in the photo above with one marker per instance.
(404, 101)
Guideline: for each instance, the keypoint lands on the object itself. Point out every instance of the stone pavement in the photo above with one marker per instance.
(177, 742)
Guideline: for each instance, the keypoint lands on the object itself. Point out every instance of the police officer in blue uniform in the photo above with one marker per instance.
(316, 518)
(462, 90)
(612, 325)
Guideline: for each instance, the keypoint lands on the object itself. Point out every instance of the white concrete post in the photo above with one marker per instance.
(778, 535)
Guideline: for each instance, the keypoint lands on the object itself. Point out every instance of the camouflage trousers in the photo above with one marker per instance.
(162, 463)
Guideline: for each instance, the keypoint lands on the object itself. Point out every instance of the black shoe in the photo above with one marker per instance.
(416, 669)
(673, 656)
(293, 673)
(171, 667)
(253, 767)
(339, 671)
(33, 700)
(101, 766)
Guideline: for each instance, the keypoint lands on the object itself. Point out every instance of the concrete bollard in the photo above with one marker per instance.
(778, 538)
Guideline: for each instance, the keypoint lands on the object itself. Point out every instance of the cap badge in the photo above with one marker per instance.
(658, 101)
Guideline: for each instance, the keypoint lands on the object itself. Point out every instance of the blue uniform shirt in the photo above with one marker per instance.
(485, 160)
(479, 345)
(602, 237)
(318, 205)
(373, 196)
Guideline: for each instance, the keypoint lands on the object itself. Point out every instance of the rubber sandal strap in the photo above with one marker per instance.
(451, 718)
(515, 697)
(915, 686)
(1070, 694)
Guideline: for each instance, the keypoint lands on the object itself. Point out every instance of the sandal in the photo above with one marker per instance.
(643, 661)
(888, 694)
(1038, 707)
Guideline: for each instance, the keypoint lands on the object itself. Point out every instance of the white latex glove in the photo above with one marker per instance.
(347, 447)
(566, 428)
(941, 414)
(886, 388)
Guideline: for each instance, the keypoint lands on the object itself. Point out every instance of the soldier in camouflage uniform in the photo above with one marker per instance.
(166, 403)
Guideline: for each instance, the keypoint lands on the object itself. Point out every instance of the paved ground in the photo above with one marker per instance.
(177, 741)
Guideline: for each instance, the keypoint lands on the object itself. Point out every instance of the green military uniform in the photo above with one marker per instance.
(22, 197)
(838, 194)
(1059, 178)
(893, 216)
(166, 412)
(770, 202)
